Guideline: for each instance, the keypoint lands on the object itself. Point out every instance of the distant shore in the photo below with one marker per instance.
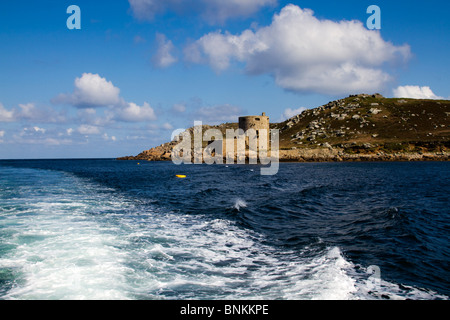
(322, 155)
(336, 155)
(357, 128)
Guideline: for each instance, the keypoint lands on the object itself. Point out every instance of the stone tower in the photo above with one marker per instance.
(257, 123)
(254, 122)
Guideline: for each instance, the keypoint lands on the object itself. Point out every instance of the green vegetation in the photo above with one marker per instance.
(371, 123)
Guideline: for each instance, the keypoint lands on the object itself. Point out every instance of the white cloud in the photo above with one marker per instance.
(100, 119)
(106, 137)
(218, 114)
(212, 11)
(88, 129)
(32, 133)
(2, 133)
(304, 53)
(178, 107)
(39, 136)
(163, 57)
(167, 126)
(415, 92)
(218, 11)
(147, 9)
(30, 112)
(91, 91)
(131, 112)
(5, 115)
(54, 142)
(289, 113)
(49, 141)
(39, 130)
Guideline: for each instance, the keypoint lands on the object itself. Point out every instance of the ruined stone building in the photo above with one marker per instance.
(257, 123)
(254, 122)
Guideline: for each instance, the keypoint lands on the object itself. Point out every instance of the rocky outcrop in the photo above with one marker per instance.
(338, 155)
(160, 153)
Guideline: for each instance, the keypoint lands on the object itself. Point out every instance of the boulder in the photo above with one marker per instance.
(375, 111)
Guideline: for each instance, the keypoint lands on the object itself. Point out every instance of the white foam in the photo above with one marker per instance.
(59, 252)
(66, 247)
(218, 257)
(239, 203)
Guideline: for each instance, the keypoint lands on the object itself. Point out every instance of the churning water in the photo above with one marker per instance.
(105, 229)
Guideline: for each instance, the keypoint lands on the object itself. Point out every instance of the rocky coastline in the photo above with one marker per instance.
(314, 155)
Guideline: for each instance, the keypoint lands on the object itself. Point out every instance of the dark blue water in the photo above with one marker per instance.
(82, 229)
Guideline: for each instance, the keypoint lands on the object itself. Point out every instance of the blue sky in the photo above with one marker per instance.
(139, 69)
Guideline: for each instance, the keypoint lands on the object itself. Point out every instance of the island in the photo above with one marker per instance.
(361, 127)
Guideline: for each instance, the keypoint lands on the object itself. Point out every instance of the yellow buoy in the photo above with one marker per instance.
(180, 176)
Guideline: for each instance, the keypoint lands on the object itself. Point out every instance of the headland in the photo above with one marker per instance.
(360, 127)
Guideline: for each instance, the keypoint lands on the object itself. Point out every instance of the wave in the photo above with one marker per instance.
(239, 203)
(71, 238)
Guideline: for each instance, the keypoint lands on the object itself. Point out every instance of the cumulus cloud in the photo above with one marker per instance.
(90, 91)
(212, 11)
(163, 57)
(415, 92)
(134, 113)
(304, 53)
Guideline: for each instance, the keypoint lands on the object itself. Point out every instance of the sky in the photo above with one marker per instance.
(136, 70)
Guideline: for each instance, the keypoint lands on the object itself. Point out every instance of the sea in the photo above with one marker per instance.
(102, 229)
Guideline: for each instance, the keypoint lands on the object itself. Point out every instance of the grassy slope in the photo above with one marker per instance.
(400, 125)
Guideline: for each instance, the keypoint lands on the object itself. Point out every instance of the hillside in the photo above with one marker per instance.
(359, 127)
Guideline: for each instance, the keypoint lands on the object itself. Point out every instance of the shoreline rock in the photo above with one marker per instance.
(317, 155)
